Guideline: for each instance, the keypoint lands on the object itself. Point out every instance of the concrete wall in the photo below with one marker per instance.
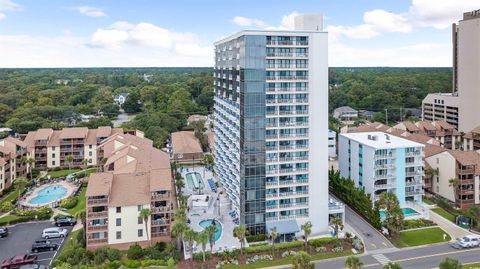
(129, 228)
(50, 159)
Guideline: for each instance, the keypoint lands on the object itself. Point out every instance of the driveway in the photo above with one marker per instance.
(21, 238)
(451, 228)
(373, 239)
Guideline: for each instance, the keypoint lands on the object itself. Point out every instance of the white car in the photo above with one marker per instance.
(54, 232)
(468, 241)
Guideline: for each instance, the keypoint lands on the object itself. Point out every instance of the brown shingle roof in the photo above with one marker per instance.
(76, 132)
(466, 157)
(410, 126)
(42, 134)
(104, 131)
(99, 184)
(130, 189)
(185, 142)
(431, 150)
(427, 125)
(193, 118)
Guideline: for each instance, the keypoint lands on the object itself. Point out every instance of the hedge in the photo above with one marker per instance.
(69, 202)
(21, 215)
(254, 249)
(417, 223)
(256, 238)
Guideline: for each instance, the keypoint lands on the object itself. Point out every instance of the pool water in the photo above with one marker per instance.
(198, 180)
(205, 223)
(407, 212)
(49, 194)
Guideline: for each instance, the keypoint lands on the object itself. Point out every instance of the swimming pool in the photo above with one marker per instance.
(49, 194)
(407, 212)
(195, 183)
(205, 223)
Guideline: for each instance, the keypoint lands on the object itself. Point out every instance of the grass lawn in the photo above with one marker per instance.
(81, 203)
(445, 214)
(131, 116)
(420, 237)
(10, 197)
(427, 201)
(471, 266)
(288, 260)
(7, 219)
(62, 173)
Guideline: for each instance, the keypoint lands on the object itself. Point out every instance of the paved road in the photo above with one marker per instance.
(21, 238)
(373, 239)
(417, 257)
(123, 117)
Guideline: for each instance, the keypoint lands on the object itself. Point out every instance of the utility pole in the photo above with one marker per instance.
(401, 115)
(386, 116)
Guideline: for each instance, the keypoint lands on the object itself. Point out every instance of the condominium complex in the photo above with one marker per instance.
(271, 100)
(380, 162)
(51, 148)
(442, 131)
(466, 80)
(13, 155)
(135, 176)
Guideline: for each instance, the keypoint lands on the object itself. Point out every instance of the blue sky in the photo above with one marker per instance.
(88, 33)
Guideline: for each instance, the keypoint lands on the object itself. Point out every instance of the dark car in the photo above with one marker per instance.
(43, 245)
(33, 266)
(19, 260)
(3, 232)
(65, 221)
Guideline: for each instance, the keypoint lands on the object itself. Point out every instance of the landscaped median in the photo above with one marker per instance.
(421, 236)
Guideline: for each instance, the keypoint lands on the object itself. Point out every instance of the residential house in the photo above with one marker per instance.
(13, 156)
(345, 113)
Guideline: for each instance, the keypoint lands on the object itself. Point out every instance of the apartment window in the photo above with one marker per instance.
(53, 163)
(118, 222)
(53, 147)
(90, 153)
(119, 235)
(53, 155)
(140, 232)
(90, 146)
(119, 209)
(140, 207)
(140, 220)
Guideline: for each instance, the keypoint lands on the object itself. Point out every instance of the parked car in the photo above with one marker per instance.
(3, 232)
(65, 221)
(54, 232)
(19, 260)
(33, 266)
(468, 241)
(43, 245)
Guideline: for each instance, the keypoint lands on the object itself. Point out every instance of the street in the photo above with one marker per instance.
(21, 238)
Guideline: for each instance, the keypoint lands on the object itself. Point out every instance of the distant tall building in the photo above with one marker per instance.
(459, 105)
(271, 101)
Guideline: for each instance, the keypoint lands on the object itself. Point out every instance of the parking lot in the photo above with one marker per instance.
(21, 238)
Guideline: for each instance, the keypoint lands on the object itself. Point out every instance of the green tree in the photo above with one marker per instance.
(449, 263)
(273, 236)
(211, 230)
(337, 224)
(178, 230)
(302, 260)
(392, 265)
(85, 162)
(20, 184)
(240, 232)
(30, 162)
(145, 214)
(132, 104)
(190, 236)
(394, 217)
(69, 160)
(307, 230)
(353, 262)
(202, 239)
(455, 184)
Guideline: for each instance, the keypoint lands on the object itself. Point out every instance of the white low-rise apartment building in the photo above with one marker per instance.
(379, 162)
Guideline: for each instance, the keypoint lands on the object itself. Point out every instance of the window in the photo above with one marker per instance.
(90, 146)
(90, 153)
(119, 222)
(119, 209)
(53, 147)
(140, 207)
(119, 235)
(53, 163)
(53, 155)
(140, 232)
(140, 220)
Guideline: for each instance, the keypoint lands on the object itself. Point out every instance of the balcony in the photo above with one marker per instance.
(270, 207)
(293, 193)
(97, 201)
(274, 218)
(97, 227)
(91, 241)
(160, 234)
(160, 222)
(413, 183)
(414, 173)
(385, 166)
(412, 193)
(413, 154)
(293, 205)
(384, 186)
(161, 209)
(160, 196)
(96, 215)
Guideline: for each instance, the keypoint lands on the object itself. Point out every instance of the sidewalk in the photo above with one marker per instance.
(449, 227)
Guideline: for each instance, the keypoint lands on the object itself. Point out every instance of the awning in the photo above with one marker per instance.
(283, 226)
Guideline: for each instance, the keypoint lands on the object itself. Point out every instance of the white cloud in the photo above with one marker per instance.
(7, 6)
(440, 14)
(247, 22)
(91, 11)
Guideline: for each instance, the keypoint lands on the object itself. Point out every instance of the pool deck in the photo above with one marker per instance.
(28, 196)
(204, 173)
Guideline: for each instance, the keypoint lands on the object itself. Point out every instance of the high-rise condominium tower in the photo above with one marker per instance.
(271, 112)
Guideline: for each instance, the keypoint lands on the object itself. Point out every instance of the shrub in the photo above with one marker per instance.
(321, 242)
(6, 206)
(135, 252)
(113, 265)
(256, 238)
(171, 262)
(131, 263)
(81, 238)
(114, 254)
(100, 255)
(417, 223)
(254, 249)
(146, 263)
(69, 202)
(199, 256)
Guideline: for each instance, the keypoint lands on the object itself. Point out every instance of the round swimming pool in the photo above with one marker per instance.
(49, 194)
(205, 223)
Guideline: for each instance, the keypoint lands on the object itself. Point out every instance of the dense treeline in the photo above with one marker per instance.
(377, 89)
(55, 98)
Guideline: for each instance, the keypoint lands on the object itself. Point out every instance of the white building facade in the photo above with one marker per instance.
(379, 162)
(332, 144)
(271, 97)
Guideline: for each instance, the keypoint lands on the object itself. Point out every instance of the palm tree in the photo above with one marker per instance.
(337, 224)
(455, 183)
(20, 184)
(145, 214)
(307, 230)
(449, 263)
(211, 230)
(183, 200)
(392, 265)
(240, 232)
(190, 236)
(394, 217)
(30, 161)
(353, 262)
(101, 163)
(85, 162)
(273, 237)
(301, 260)
(179, 184)
(202, 239)
(180, 214)
(69, 159)
(178, 230)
